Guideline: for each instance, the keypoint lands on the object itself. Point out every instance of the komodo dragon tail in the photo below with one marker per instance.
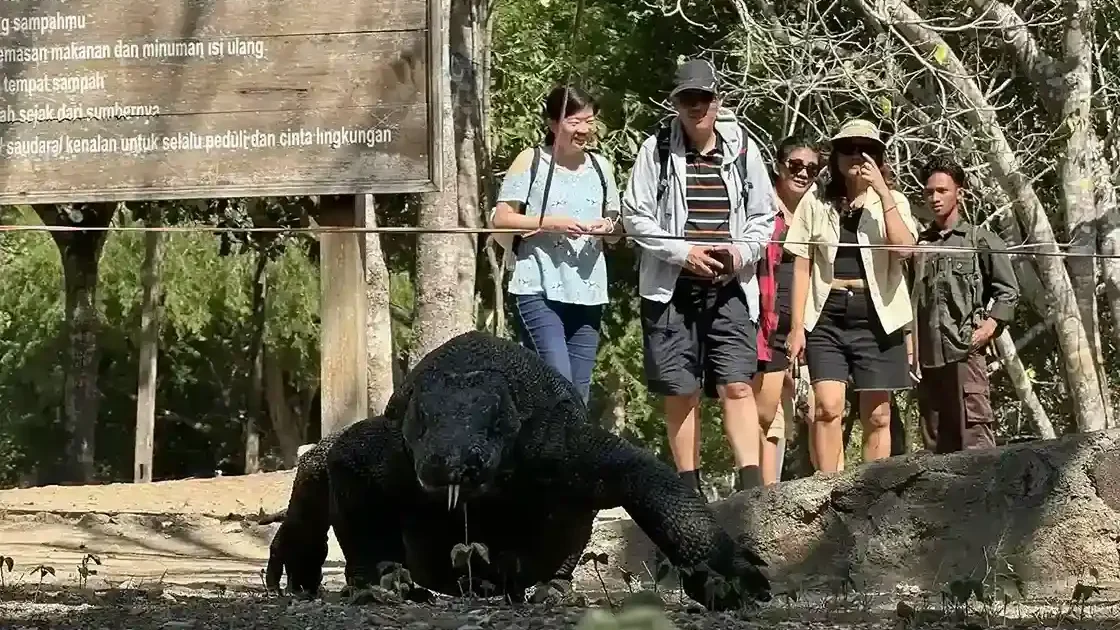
(300, 544)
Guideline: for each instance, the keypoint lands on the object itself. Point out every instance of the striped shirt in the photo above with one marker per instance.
(709, 207)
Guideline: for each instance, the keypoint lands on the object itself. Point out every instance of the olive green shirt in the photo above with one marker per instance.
(955, 291)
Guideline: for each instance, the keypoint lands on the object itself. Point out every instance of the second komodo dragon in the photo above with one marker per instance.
(483, 431)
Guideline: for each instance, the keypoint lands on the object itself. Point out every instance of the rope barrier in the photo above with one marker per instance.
(1017, 250)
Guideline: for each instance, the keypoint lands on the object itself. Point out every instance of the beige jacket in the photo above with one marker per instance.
(816, 221)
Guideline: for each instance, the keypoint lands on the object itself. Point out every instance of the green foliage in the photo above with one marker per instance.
(624, 53)
(30, 352)
(205, 334)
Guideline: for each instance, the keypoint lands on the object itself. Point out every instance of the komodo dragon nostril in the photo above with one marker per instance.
(476, 458)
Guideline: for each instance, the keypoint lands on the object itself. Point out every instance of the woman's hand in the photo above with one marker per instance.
(795, 344)
(599, 226)
(870, 174)
(567, 225)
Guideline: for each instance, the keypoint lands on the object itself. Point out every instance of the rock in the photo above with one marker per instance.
(1046, 511)
(638, 618)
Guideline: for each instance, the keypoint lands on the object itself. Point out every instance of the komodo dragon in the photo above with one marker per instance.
(485, 432)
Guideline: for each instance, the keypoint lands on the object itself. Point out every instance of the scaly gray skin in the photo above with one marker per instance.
(483, 425)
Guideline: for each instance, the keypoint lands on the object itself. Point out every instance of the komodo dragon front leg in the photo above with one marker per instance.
(674, 517)
(366, 490)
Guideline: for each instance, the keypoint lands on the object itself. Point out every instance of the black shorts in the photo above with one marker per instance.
(701, 338)
(778, 362)
(848, 342)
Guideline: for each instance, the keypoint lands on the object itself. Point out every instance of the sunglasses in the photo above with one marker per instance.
(856, 148)
(795, 167)
(692, 98)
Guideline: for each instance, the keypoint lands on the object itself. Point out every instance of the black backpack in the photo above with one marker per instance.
(663, 149)
(548, 184)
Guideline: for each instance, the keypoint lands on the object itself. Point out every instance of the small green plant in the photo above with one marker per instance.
(596, 559)
(461, 556)
(664, 567)
(6, 564)
(999, 585)
(956, 594)
(1082, 592)
(43, 570)
(790, 598)
(629, 578)
(84, 571)
(395, 578)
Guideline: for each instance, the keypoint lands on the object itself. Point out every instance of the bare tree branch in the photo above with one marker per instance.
(1078, 353)
(1041, 68)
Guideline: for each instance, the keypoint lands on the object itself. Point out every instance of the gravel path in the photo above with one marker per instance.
(178, 608)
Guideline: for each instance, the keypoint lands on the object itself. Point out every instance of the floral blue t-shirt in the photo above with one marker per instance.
(564, 269)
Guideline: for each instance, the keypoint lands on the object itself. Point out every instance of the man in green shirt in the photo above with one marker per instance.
(962, 300)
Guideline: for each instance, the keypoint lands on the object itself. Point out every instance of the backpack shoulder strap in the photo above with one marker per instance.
(602, 180)
(533, 171)
(741, 162)
(532, 174)
(664, 135)
(533, 167)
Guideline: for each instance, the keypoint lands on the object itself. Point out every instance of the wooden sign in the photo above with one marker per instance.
(104, 100)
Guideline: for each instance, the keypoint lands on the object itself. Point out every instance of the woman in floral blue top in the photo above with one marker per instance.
(559, 280)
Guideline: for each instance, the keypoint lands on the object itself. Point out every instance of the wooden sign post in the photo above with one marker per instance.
(116, 100)
(104, 100)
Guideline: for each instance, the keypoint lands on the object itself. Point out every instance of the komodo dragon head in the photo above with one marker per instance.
(458, 427)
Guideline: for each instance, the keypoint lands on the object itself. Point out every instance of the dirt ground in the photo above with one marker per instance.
(243, 495)
(189, 532)
(185, 554)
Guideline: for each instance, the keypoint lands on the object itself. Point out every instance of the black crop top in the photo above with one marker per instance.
(849, 265)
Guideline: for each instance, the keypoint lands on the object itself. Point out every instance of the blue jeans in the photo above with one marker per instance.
(565, 335)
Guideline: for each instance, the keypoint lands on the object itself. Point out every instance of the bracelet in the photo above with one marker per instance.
(892, 207)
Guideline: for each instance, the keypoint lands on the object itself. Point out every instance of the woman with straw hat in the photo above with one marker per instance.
(850, 303)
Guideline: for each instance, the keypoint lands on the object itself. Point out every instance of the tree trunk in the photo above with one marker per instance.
(614, 413)
(379, 328)
(467, 28)
(1021, 382)
(81, 255)
(256, 369)
(439, 315)
(1065, 88)
(1077, 353)
(498, 279)
(290, 430)
(1108, 209)
(149, 352)
(1078, 170)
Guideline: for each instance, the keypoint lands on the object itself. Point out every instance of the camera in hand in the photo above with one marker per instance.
(724, 258)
